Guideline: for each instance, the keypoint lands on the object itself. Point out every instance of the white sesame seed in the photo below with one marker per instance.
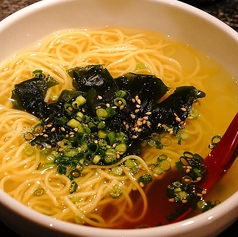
(170, 130)
(141, 184)
(187, 170)
(132, 116)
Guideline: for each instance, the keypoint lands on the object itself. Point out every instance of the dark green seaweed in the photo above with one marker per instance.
(93, 82)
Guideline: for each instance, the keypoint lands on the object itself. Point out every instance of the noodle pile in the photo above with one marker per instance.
(145, 53)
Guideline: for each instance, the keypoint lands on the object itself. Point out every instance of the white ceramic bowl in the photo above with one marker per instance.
(169, 17)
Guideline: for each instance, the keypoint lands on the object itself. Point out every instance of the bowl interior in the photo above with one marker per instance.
(172, 18)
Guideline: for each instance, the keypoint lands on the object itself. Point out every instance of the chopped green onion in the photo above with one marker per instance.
(101, 125)
(110, 111)
(121, 93)
(112, 137)
(93, 148)
(73, 123)
(119, 101)
(185, 136)
(157, 170)
(79, 116)
(165, 165)
(140, 66)
(179, 166)
(73, 187)
(121, 148)
(214, 141)
(102, 114)
(165, 141)
(117, 170)
(80, 100)
(102, 134)
(29, 150)
(96, 159)
(49, 158)
(86, 118)
(61, 169)
(151, 142)
(159, 145)
(54, 98)
(162, 157)
(115, 191)
(38, 128)
(28, 136)
(83, 147)
(75, 199)
(110, 156)
(68, 108)
(38, 74)
(71, 152)
(39, 192)
(155, 136)
(77, 220)
(193, 113)
(38, 166)
(145, 179)
(75, 173)
(132, 165)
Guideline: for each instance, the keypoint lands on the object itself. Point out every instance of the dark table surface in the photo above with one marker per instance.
(225, 10)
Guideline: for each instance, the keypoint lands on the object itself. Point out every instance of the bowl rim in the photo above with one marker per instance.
(202, 219)
(69, 228)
